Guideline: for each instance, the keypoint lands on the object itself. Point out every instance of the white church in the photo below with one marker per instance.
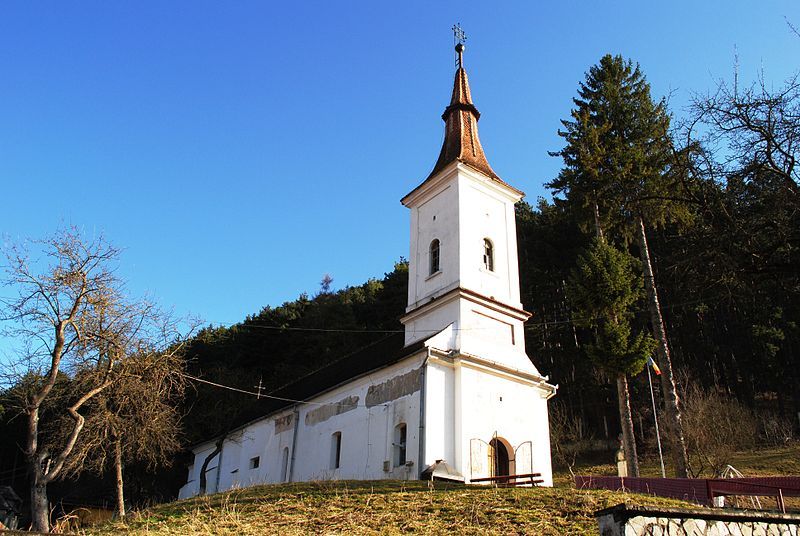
(455, 396)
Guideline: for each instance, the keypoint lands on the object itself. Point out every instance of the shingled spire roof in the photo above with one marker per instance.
(461, 140)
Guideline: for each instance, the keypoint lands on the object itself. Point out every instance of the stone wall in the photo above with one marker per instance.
(624, 520)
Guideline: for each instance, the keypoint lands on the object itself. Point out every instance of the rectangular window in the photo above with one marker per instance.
(336, 449)
(399, 445)
(255, 462)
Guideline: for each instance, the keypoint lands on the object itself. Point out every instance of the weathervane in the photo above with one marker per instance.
(458, 40)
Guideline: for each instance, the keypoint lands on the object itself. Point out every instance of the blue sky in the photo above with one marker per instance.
(238, 151)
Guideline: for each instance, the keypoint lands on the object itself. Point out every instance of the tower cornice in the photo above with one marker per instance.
(471, 296)
(451, 171)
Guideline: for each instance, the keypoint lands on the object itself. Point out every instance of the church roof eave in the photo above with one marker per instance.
(371, 358)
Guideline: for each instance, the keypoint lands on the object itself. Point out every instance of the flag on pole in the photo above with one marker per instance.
(652, 363)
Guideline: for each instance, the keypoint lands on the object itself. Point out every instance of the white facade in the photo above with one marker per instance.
(462, 402)
(298, 443)
(463, 390)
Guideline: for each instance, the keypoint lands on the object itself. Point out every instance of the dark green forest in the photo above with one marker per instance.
(717, 195)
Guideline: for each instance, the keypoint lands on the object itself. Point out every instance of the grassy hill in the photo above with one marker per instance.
(398, 507)
(385, 507)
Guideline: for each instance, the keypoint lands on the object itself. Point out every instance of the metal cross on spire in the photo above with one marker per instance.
(458, 40)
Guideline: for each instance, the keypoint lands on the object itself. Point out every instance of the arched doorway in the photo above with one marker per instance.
(501, 460)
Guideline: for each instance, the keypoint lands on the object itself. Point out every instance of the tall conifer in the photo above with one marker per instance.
(616, 176)
(602, 291)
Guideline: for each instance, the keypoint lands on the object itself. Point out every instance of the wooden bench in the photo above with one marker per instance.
(503, 481)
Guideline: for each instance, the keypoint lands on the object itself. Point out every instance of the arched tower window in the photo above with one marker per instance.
(434, 257)
(488, 255)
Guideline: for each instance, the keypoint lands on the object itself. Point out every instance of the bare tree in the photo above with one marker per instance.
(136, 421)
(70, 317)
(569, 438)
(748, 140)
(716, 427)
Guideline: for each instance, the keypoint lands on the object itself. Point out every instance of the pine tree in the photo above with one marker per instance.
(602, 289)
(616, 174)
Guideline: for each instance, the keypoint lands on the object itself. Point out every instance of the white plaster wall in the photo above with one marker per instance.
(461, 207)
(494, 404)
(367, 437)
(273, 449)
(488, 213)
(192, 486)
(230, 460)
(434, 320)
(435, 217)
(255, 437)
(463, 403)
(439, 414)
(494, 336)
(367, 432)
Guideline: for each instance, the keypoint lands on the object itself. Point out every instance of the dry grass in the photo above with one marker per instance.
(396, 507)
(386, 507)
(783, 460)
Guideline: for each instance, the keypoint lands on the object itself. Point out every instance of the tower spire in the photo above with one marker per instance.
(461, 140)
(458, 41)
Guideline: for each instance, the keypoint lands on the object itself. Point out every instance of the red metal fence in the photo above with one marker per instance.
(698, 490)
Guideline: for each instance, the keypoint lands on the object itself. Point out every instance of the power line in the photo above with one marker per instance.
(323, 330)
(246, 392)
(262, 395)
(345, 356)
(671, 306)
(18, 470)
(343, 330)
(570, 320)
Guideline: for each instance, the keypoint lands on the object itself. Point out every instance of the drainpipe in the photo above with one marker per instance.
(219, 466)
(294, 444)
(421, 450)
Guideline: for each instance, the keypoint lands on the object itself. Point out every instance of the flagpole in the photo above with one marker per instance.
(655, 419)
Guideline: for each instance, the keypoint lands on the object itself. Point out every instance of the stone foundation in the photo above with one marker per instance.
(624, 520)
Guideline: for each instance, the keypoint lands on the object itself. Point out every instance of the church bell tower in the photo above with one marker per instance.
(463, 265)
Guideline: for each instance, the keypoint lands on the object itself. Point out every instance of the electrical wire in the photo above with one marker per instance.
(246, 392)
(671, 306)
(570, 320)
(273, 397)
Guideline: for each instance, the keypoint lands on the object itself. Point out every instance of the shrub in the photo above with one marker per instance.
(715, 426)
